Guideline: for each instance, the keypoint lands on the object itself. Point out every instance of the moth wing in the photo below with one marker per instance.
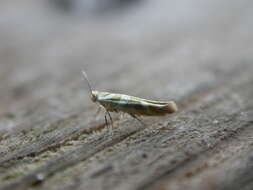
(151, 101)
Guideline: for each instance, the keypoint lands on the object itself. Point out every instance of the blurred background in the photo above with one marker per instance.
(120, 43)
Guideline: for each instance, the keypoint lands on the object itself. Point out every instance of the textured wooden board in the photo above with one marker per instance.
(49, 138)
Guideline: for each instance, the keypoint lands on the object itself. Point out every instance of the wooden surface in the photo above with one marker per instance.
(199, 54)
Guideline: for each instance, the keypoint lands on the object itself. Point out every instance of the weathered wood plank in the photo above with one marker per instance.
(229, 122)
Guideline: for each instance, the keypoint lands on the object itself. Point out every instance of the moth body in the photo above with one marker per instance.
(133, 105)
(129, 104)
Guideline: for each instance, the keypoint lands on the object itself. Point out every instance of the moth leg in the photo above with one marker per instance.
(110, 117)
(109, 124)
(106, 123)
(135, 117)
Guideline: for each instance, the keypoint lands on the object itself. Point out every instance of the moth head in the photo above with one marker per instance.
(94, 96)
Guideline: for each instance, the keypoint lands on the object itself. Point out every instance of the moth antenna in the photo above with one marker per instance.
(86, 78)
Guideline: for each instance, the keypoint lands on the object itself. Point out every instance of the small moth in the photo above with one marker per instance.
(134, 106)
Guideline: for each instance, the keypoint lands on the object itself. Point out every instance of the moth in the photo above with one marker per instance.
(131, 105)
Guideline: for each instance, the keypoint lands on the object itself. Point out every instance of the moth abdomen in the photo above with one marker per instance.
(171, 107)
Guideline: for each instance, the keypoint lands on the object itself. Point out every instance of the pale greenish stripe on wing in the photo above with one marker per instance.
(148, 101)
(124, 99)
(107, 96)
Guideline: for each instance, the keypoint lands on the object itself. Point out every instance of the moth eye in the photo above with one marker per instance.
(93, 98)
